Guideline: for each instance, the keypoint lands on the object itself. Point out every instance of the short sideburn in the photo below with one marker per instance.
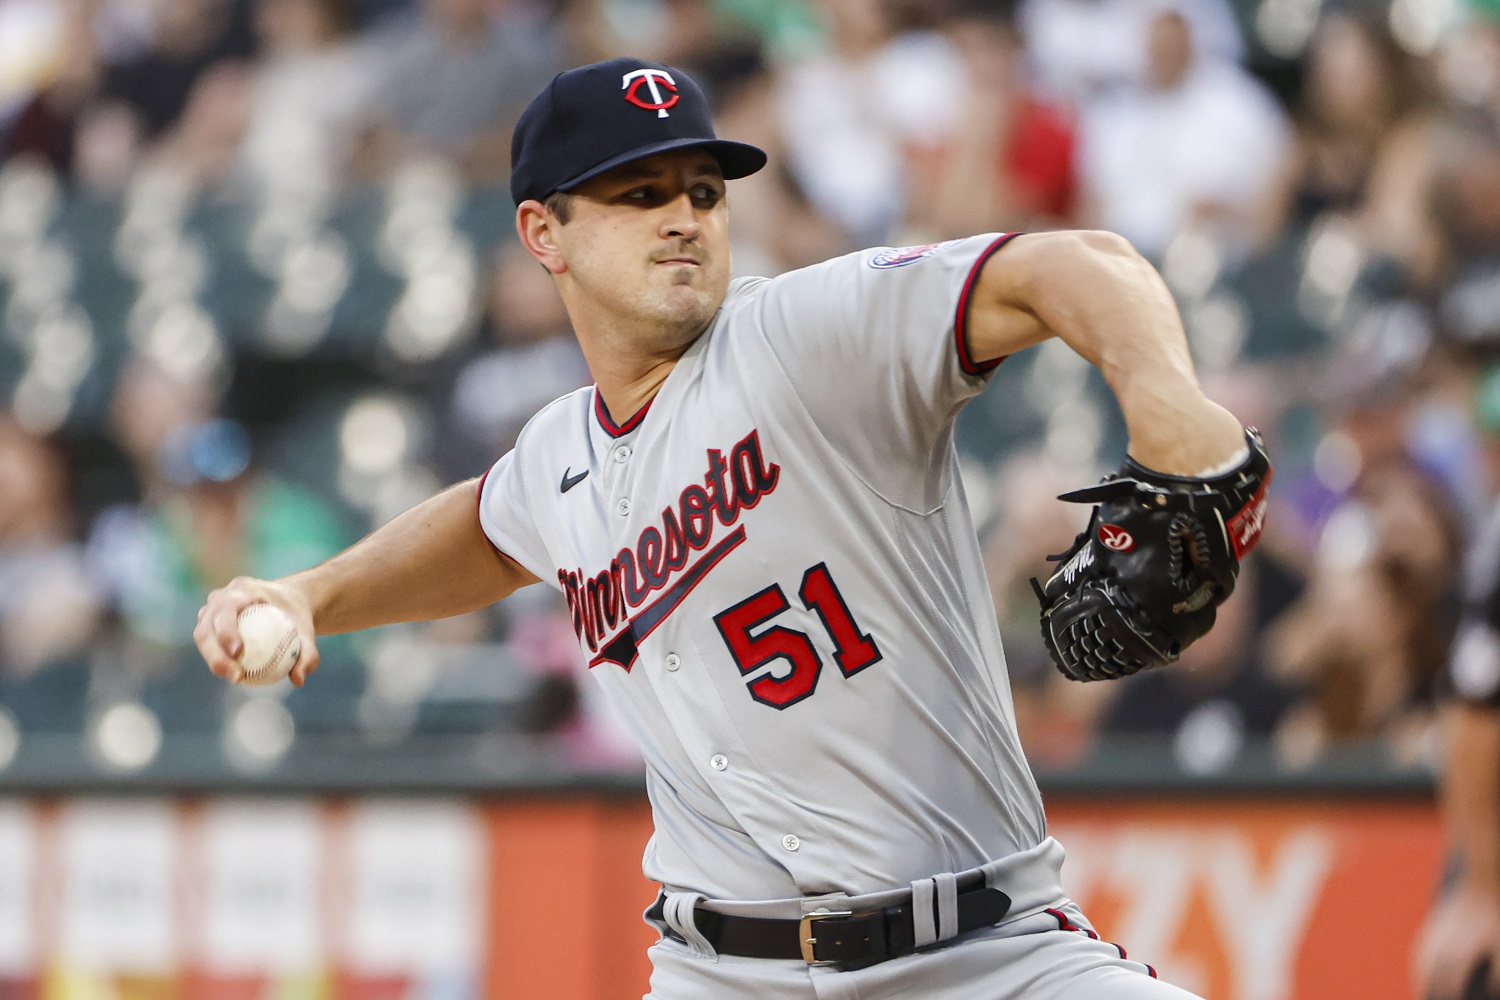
(560, 204)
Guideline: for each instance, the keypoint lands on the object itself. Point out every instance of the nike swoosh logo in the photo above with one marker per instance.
(568, 482)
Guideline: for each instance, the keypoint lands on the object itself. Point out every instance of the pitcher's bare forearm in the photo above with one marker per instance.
(1106, 302)
(1470, 794)
(1463, 928)
(433, 561)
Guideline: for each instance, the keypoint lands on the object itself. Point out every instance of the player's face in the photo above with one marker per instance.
(648, 244)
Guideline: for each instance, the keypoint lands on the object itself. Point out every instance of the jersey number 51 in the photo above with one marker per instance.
(853, 649)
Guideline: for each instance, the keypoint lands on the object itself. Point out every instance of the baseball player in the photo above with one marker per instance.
(756, 520)
(1458, 952)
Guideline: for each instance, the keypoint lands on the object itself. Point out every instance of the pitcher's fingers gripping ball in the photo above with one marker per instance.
(271, 645)
(1159, 556)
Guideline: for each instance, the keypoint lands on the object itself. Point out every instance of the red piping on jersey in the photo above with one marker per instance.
(961, 320)
(607, 422)
(1063, 923)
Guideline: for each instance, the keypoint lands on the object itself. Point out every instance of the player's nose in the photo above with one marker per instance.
(680, 219)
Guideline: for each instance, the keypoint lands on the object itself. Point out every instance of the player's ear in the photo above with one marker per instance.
(537, 229)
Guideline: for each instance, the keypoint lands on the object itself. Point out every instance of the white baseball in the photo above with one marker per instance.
(271, 645)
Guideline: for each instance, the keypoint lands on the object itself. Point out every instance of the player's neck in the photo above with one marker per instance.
(626, 392)
(628, 370)
(627, 375)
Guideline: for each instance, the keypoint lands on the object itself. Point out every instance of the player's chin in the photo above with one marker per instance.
(684, 314)
(683, 297)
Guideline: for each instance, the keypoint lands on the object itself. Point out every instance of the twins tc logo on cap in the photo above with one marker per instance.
(655, 80)
(575, 129)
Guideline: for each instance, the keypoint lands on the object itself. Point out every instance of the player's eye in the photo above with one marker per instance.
(645, 194)
(706, 196)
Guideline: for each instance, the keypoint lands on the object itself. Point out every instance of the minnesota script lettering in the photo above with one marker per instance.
(609, 608)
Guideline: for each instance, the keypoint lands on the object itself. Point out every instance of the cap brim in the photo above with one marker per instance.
(736, 159)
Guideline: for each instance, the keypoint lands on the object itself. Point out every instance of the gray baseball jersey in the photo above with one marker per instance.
(773, 573)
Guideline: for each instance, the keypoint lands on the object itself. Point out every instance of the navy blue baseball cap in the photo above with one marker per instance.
(596, 117)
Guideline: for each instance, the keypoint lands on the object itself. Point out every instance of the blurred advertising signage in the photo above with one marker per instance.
(422, 899)
(260, 874)
(241, 898)
(18, 868)
(1258, 900)
(116, 868)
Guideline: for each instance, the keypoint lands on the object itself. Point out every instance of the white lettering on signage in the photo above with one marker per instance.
(1260, 907)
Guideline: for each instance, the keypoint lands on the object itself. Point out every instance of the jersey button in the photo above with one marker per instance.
(791, 842)
(623, 506)
(718, 762)
(673, 661)
(622, 453)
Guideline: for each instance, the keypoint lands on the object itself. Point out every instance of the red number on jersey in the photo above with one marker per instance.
(853, 650)
(751, 652)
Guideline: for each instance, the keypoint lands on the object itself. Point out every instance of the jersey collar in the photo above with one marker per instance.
(678, 373)
(614, 430)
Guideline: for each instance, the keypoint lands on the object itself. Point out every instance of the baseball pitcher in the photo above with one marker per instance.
(756, 520)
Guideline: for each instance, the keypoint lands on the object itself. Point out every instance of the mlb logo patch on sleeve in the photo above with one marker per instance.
(899, 256)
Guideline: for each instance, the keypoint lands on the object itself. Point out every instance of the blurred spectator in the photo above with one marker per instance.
(1012, 166)
(197, 47)
(1199, 142)
(48, 605)
(1369, 635)
(1389, 395)
(675, 32)
(147, 408)
(534, 360)
(1359, 87)
(309, 96)
(219, 521)
(1361, 146)
(773, 226)
(206, 515)
(788, 29)
(704, 37)
(1466, 210)
(31, 37)
(852, 116)
(45, 123)
(1082, 48)
(1469, 69)
(454, 83)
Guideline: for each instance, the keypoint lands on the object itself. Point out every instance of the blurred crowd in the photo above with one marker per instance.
(261, 292)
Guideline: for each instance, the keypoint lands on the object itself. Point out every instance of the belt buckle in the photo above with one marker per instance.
(807, 940)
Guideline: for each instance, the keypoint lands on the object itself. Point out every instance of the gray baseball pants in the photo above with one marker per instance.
(1028, 958)
(1046, 950)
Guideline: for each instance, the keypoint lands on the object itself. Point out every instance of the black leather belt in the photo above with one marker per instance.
(841, 937)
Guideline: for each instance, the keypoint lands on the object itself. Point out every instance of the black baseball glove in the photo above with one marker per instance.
(1159, 556)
